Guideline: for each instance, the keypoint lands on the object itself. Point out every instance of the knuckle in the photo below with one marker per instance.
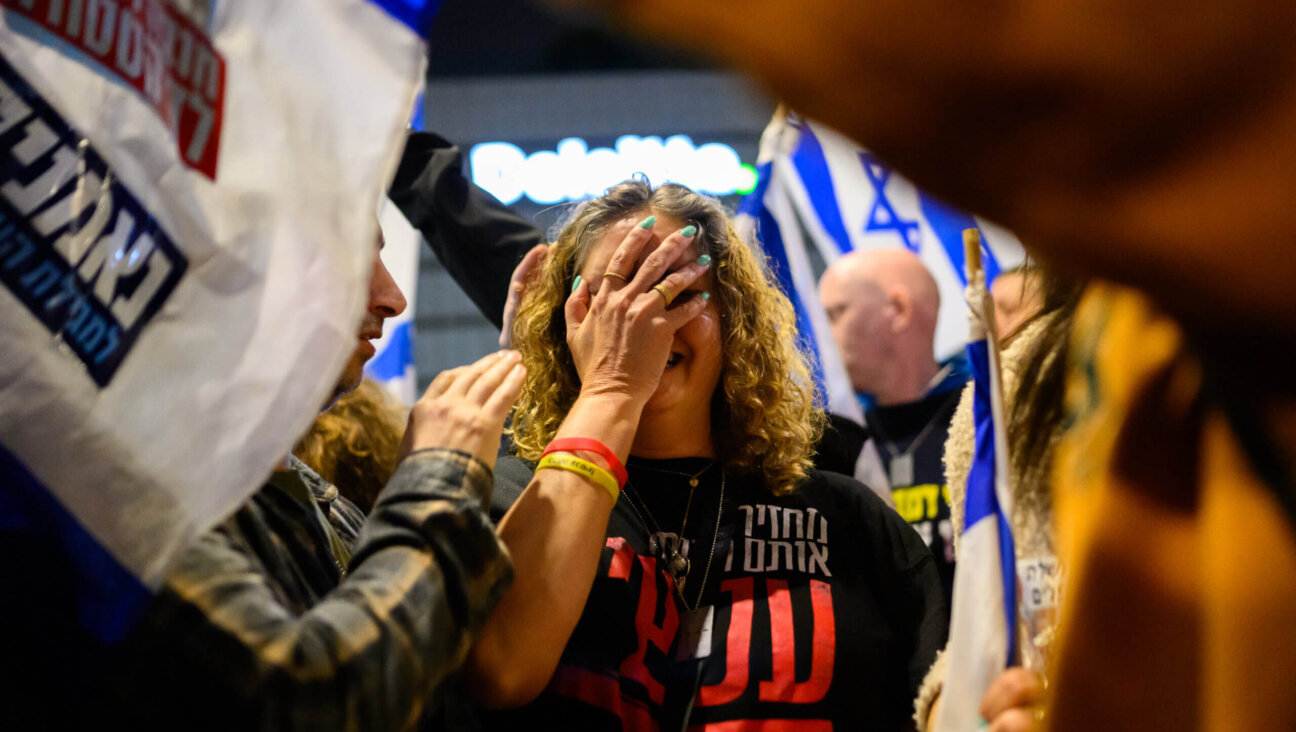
(1018, 684)
(431, 411)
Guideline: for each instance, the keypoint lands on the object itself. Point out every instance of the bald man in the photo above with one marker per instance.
(882, 304)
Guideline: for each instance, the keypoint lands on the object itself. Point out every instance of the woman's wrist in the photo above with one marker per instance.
(612, 418)
(613, 391)
(611, 398)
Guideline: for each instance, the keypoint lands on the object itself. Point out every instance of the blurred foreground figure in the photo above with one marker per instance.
(1154, 144)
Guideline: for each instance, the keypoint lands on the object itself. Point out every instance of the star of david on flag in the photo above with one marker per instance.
(818, 196)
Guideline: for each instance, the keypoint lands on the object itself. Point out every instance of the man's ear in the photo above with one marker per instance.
(900, 303)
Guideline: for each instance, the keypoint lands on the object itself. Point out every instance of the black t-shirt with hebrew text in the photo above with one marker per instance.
(818, 608)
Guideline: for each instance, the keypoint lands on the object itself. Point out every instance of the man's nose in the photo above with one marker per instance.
(385, 297)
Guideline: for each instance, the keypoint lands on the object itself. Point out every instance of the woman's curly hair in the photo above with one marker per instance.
(763, 414)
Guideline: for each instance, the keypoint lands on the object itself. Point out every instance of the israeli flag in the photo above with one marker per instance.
(983, 638)
(820, 195)
(184, 254)
(393, 364)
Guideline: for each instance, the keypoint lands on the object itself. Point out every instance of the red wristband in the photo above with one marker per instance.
(590, 444)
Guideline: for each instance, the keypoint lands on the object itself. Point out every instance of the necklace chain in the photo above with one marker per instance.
(634, 497)
(893, 447)
(715, 537)
(693, 478)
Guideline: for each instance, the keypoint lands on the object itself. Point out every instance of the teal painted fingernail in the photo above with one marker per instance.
(704, 260)
(688, 231)
(575, 283)
(648, 222)
(981, 723)
(706, 296)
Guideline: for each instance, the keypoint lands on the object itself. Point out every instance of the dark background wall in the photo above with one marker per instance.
(507, 37)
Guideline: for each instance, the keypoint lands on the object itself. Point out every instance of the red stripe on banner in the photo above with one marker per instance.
(153, 48)
(766, 725)
(604, 692)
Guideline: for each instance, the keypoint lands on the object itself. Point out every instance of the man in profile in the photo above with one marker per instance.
(297, 612)
(882, 305)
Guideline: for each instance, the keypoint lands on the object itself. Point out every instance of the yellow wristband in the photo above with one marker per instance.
(564, 461)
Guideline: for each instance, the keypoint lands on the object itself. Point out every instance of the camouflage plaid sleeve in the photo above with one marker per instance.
(233, 643)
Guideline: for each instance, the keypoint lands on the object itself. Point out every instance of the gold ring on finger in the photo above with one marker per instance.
(616, 275)
(665, 293)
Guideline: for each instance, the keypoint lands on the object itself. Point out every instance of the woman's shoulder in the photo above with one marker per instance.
(512, 475)
(839, 496)
(869, 518)
(830, 486)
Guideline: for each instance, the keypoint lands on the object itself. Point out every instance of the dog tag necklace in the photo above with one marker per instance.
(677, 562)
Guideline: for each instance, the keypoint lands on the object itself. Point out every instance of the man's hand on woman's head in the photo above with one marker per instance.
(517, 286)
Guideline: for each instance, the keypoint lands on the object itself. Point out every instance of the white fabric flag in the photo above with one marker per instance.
(188, 191)
(820, 195)
(983, 621)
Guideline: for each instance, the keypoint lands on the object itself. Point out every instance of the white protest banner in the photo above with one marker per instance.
(188, 203)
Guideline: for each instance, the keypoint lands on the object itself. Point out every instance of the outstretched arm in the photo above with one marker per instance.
(226, 645)
(478, 239)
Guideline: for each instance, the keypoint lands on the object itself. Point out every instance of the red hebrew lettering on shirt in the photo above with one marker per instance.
(767, 725)
(784, 687)
(604, 688)
(649, 632)
(622, 558)
(737, 645)
(602, 691)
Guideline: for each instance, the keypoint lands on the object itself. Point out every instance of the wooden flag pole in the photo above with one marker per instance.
(971, 252)
(975, 271)
(979, 289)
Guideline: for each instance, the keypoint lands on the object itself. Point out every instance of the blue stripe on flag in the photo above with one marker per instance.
(416, 119)
(948, 224)
(396, 355)
(982, 502)
(771, 240)
(812, 166)
(753, 203)
(417, 14)
(109, 599)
